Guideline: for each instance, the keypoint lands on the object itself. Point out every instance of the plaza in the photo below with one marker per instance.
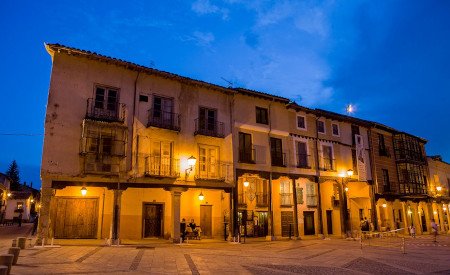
(255, 256)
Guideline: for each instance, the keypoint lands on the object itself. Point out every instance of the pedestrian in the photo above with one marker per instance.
(412, 230)
(434, 229)
(35, 224)
(192, 225)
(366, 224)
(20, 219)
(183, 229)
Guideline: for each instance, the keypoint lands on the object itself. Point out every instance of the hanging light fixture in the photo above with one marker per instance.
(346, 189)
(83, 191)
(246, 183)
(439, 188)
(349, 172)
(201, 197)
(384, 205)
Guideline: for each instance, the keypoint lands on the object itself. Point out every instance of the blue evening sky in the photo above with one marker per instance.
(389, 58)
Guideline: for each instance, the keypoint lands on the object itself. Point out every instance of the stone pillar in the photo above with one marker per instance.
(115, 221)
(176, 218)
(270, 234)
(45, 230)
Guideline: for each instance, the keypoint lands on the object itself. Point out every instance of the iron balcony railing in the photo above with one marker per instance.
(311, 200)
(162, 119)
(304, 161)
(247, 156)
(209, 128)
(279, 159)
(262, 199)
(95, 163)
(209, 170)
(327, 164)
(241, 199)
(109, 112)
(162, 166)
(286, 199)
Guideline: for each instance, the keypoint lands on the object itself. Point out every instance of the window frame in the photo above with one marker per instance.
(338, 129)
(324, 127)
(304, 122)
(259, 115)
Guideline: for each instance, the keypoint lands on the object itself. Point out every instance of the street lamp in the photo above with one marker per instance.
(246, 183)
(83, 191)
(191, 163)
(345, 220)
(439, 188)
(201, 197)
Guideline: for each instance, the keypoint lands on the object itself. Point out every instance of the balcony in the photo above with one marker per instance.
(247, 156)
(304, 161)
(286, 199)
(311, 200)
(112, 113)
(220, 171)
(279, 159)
(209, 128)
(101, 164)
(327, 164)
(384, 152)
(262, 199)
(241, 200)
(162, 167)
(164, 120)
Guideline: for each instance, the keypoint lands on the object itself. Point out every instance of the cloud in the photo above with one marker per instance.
(203, 39)
(203, 7)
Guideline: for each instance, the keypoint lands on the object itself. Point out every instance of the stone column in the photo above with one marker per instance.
(176, 205)
(115, 221)
(45, 231)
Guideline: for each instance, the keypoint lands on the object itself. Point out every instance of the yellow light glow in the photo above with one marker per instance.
(445, 208)
(350, 172)
(83, 191)
(9, 194)
(192, 161)
(439, 188)
(31, 200)
(409, 212)
(342, 175)
(384, 205)
(201, 197)
(349, 109)
(435, 212)
(246, 183)
(346, 189)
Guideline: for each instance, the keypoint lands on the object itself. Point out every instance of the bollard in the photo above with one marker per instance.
(14, 251)
(21, 242)
(7, 259)
(3, 270)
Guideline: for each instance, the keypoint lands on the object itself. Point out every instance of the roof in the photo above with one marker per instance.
(263, 95)
(337, 116)
(20, 195)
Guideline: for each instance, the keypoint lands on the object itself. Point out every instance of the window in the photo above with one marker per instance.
(355, 131)
(19, 205)
(208, 162)
(246, 148)
(161, 114)
(301, 122)
(143, 98)
(311, 194)
(106, 98)
(262, 115)
(321, 127)
(354, 162)
(386, 182)
(285, 193)
(335, 128)
(302, 155)
(276, 152)
(207, 119)
(327, 157)
(160, 161)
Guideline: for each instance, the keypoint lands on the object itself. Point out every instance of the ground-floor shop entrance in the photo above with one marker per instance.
(153, 214)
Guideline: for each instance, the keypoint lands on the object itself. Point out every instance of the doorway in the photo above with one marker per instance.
(153, 220)
(424, 222)
(261, 224)
(330, 222)
(309, 222)
(206, 220)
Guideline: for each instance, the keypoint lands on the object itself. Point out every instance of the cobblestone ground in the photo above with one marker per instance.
(334, 256)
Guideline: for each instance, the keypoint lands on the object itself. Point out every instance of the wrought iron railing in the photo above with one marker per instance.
(262, 199)
(327, 164)
(311, 200)
(304, 161)
(209, 128)
(247, 156)
(162, 119)
(286, 199)
(279, 159)
(208, 170)
(162, 166)
(111, 112)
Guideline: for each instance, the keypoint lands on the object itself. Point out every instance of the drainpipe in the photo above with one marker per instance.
(372, 189)
(319, 200)
(133, 123)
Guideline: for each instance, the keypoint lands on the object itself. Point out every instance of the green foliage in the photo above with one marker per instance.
(13, 173)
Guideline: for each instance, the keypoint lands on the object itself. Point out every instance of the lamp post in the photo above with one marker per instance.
(344, 211)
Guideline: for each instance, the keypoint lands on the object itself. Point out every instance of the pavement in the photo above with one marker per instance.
(312, 256)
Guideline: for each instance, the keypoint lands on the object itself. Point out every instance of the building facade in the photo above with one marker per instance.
(130, 151)
(439, 190)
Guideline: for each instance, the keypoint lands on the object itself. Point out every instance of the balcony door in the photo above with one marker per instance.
(207, 119)
(163, 111)
(208, 162)
(276, 151)
(302, 155)
(161, 158)
(245, 148)
(106, 102)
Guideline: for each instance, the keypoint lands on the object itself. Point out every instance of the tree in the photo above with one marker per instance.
(13, 174)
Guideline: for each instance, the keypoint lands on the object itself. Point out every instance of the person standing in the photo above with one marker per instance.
(434, 229)
(412, 230)
(20, 219)
(183, 229)
(35, 224)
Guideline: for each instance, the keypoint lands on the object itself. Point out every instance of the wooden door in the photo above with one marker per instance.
(287, 223)
(309, 222)
(153, 225)
(330, 222)
(75, 218)
(206, 220)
